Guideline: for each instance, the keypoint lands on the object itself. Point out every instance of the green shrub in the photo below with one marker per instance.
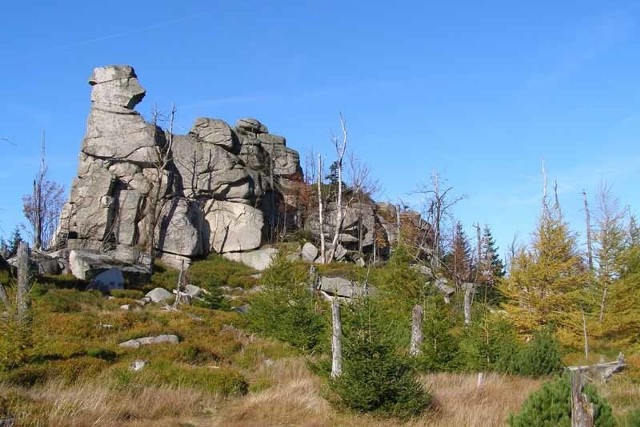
(540, 356)
(285, 309)
(375, 378)
(551, 406)
(440, 350)
(215, 271)
(490, 344)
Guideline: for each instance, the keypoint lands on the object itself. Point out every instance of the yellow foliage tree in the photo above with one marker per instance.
(547, 281)
(622, 323)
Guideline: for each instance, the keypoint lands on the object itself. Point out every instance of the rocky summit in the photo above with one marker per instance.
(213, 189)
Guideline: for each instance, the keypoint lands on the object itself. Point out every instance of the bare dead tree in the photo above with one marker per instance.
(438, 208)
(340, 147)
(363, 186)
(42, 207)
(587, 215)
(163, 158)
(321, 212)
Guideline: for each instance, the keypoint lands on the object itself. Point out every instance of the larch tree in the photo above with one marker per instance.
(621, 324)
(609, 242)
(547, 280)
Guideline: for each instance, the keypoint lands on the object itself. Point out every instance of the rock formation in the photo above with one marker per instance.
(213, 189)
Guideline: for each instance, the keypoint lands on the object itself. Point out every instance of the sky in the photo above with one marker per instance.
(479, 92)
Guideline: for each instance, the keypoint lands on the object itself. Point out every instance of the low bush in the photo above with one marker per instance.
(285, 309)
(375, 377)
(551, 406)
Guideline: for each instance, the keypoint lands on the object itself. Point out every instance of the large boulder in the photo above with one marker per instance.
(342, 288)
(213, 131)
(260, 259)
(86, 265)
(180, 228)
(233, 227)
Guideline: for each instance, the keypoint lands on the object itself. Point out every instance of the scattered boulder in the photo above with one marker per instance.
(138, 365)
(341, 287)
(160, 339)
(159, 295)
(260, 259)
(87, 265)
(309, 252)
(194, 291)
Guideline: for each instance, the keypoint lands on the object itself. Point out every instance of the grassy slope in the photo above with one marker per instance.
(217, 375)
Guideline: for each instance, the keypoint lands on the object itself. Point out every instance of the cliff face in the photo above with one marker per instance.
(205, 191)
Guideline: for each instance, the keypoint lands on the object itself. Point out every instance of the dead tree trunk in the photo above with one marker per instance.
(469, 291)
(588, 226)
(23, 301)
(341, 148)
(416, 331)
(336, 339)
(320, 212)
(581, 407)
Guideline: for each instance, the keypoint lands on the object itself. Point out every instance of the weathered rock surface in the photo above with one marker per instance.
(233, 227)
(309, 252)
(260, 259)
(341, 287)
(196, 193)
(87, 265)
(160, 339)
(159, 295)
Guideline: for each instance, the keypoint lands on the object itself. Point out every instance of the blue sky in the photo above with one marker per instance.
(480, 91)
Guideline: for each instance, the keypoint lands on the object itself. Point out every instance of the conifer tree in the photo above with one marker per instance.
(547, 281)
(490, 268)
(622, 324)
(609, 239)
(458, 260)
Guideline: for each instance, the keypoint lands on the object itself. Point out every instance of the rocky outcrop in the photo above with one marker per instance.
(197, 193)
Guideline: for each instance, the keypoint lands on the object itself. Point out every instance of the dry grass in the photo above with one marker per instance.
(92, 404)
(296, 400)
(293, 400)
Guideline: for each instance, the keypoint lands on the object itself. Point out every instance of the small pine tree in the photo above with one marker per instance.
(440, 348)
(375, 377)
(540, 356)
(14, 241)
(286, 309)
(489, 344)
(551, 406)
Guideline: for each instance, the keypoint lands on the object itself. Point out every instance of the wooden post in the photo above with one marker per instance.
(581, 407)
(416, 331)
(336, 339)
